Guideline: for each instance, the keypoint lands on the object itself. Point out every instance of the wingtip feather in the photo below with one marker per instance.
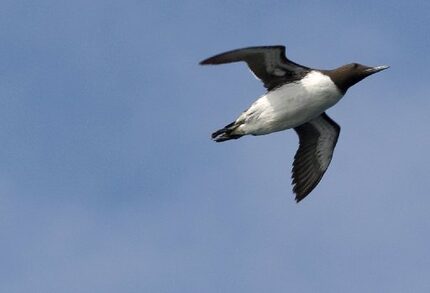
(204, 62)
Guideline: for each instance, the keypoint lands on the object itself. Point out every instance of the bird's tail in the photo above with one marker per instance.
(226, 133)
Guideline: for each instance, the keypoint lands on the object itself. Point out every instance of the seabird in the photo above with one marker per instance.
(297, 97)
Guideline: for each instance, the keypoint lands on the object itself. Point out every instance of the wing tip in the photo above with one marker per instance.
(225, 58)
(300, 195)
(298, 199)
(214, 60)
(205, 62)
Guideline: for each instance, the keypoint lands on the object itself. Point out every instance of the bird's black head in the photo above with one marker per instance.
(348, 75)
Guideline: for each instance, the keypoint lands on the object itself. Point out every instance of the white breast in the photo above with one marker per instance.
(290, 105)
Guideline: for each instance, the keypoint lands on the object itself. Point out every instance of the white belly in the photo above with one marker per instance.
(290, 105)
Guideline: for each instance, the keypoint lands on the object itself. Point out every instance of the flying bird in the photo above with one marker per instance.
(297, 97)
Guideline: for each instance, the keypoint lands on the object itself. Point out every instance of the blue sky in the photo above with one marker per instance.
(109, 181)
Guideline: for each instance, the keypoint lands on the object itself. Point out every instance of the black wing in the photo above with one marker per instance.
(268, 63)
(318, 139)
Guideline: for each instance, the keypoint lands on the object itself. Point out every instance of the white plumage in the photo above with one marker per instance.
(290, 105)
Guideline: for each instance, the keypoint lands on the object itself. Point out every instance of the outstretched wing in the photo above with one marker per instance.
(268, 63)
(318, 139)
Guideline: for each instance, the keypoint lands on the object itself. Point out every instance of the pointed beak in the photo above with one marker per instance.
(372, 70)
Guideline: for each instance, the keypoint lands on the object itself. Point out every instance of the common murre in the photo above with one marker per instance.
(297, 97)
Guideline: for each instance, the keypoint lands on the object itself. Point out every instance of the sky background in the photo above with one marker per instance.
(109, 181)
